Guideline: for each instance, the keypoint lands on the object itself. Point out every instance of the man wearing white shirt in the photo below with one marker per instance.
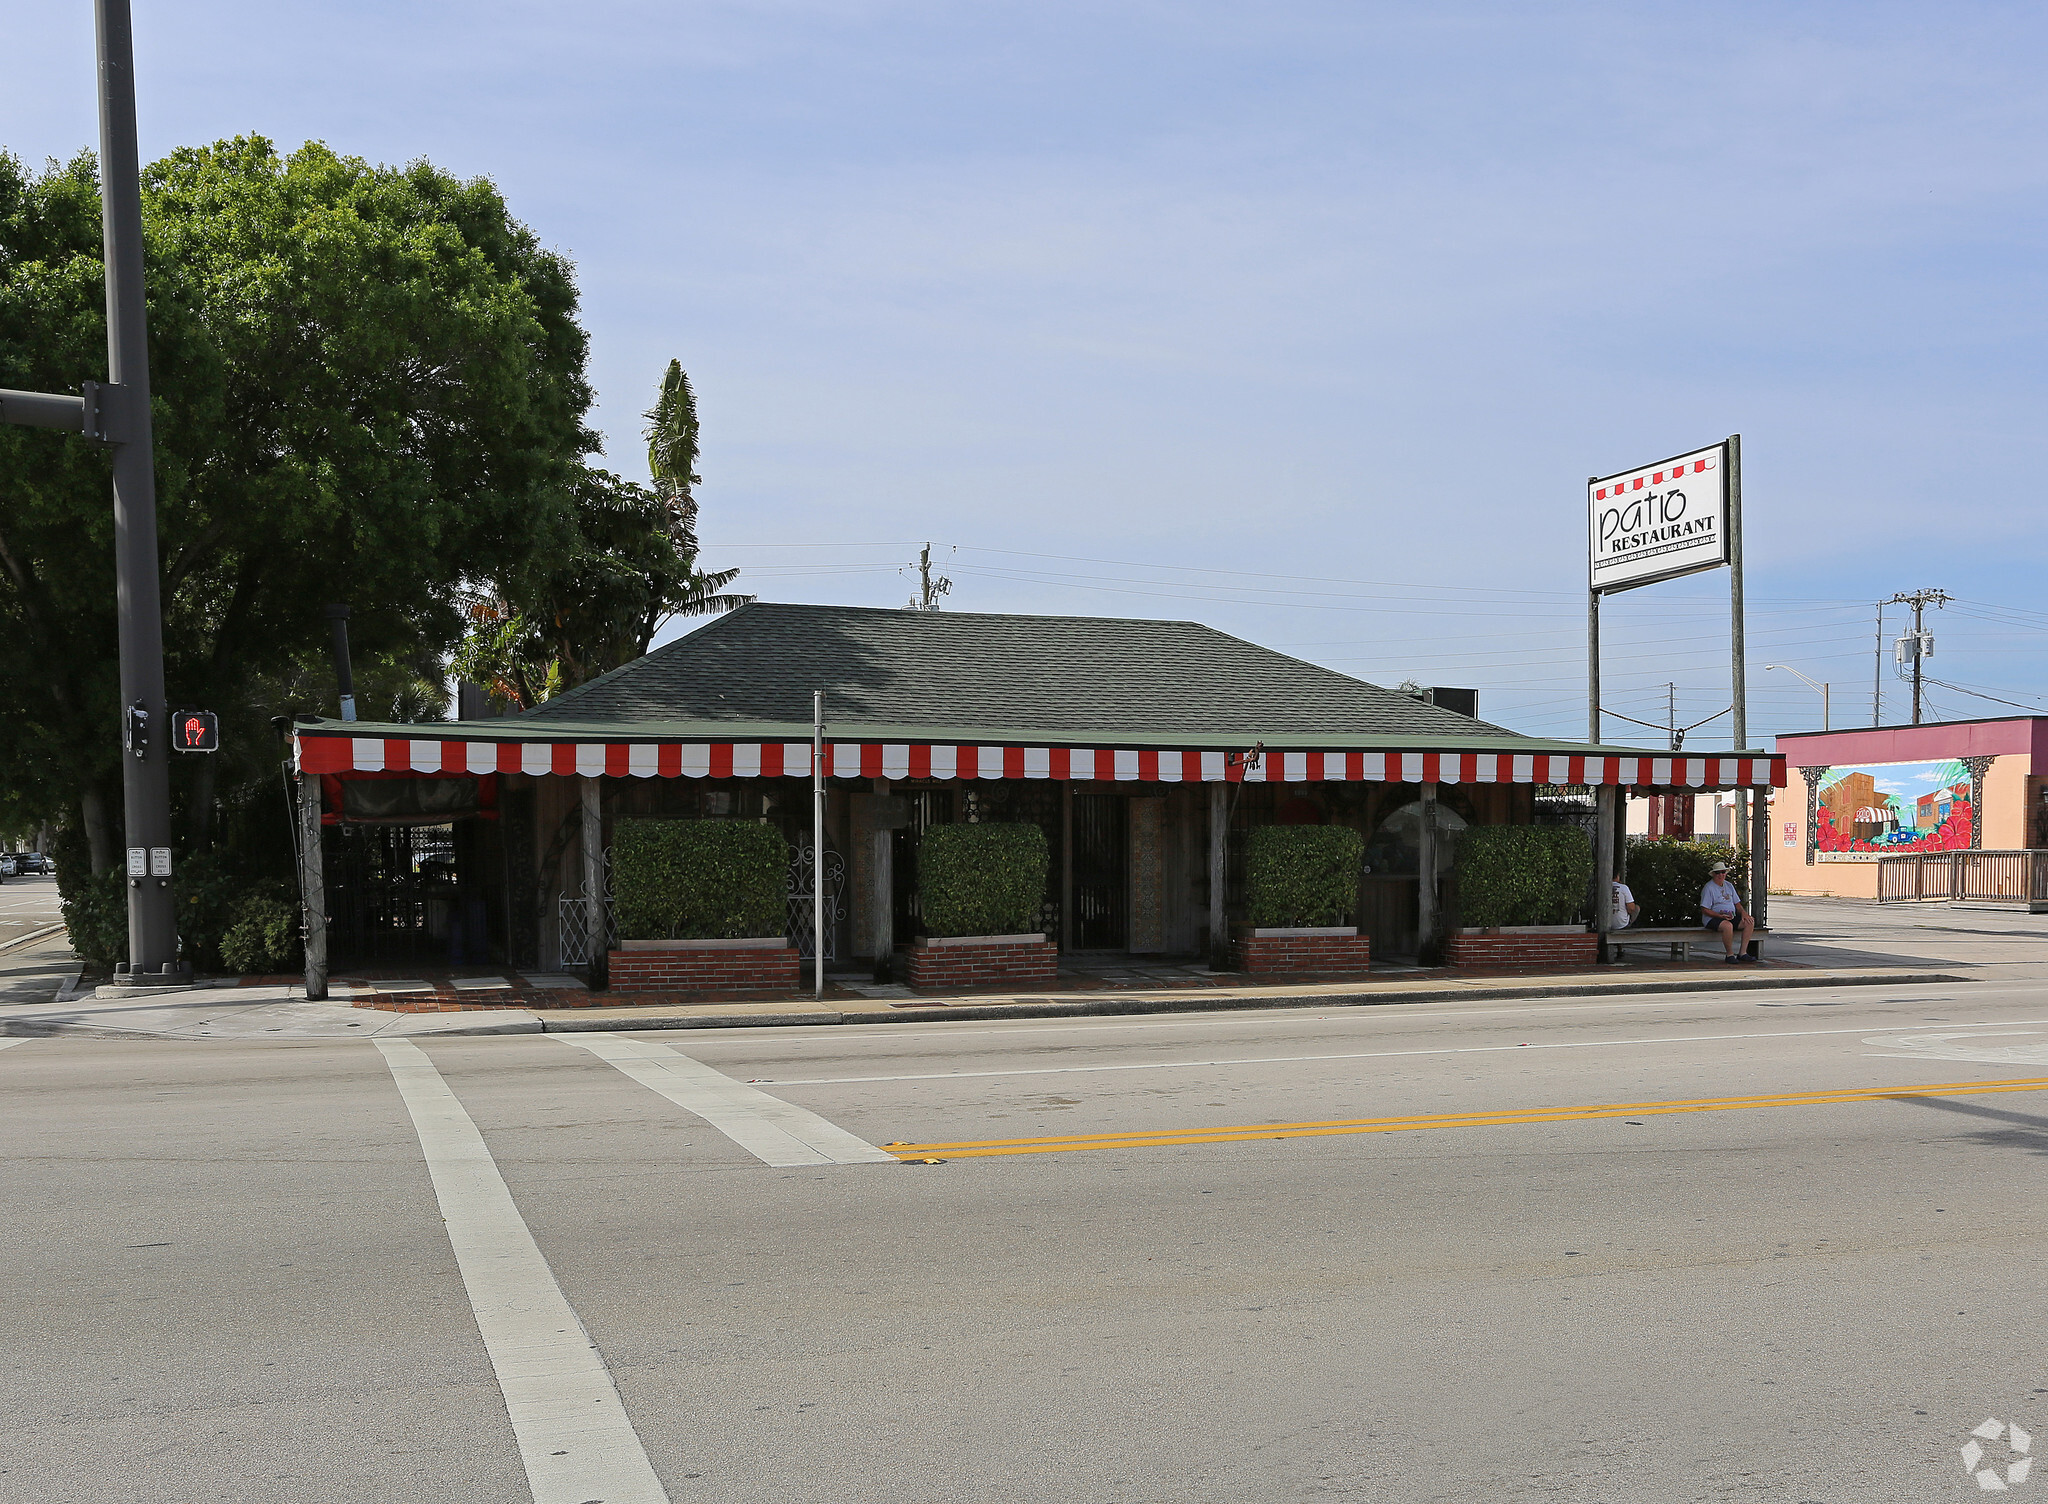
(1624, 909)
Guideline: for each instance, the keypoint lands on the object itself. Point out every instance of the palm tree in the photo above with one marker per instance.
(671, 435)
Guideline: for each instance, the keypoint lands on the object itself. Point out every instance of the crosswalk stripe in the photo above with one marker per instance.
(772, 1130)
(573, 1432)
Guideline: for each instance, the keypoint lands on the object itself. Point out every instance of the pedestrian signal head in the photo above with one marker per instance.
(195, 731)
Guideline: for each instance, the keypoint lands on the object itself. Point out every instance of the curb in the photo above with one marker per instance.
(1197, 1003)
(31, 937)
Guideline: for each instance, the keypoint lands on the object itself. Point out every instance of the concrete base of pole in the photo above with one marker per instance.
(149, 981)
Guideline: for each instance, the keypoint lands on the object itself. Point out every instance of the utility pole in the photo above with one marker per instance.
(1919, 600)
(1877, 673)
(117, 414)
(929, 590)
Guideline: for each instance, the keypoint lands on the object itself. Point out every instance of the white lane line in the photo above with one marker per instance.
(16, 1039)
(773, 1131)
(571, 1426)
(1468, 1049)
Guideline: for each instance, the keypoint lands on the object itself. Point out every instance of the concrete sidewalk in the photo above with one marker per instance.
(282, 1012)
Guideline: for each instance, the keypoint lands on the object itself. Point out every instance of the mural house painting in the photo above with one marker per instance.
(1890, 809)
(1146, 751)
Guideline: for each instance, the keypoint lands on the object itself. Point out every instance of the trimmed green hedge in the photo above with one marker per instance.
(1301, 876)
(1522, 874)
(982, 879)
(699, 879)
(1666, 876)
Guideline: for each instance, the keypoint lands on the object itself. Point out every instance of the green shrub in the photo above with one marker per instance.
(1522, 874)
(699, 879)
(209, 900)
(982, 879)
(1301, 876)
(263, 939)
(95, 913)
(1666, 876)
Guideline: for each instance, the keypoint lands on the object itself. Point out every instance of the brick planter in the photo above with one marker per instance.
(768, 964)
(982, 960)
(1331, 949)
(1534, 945)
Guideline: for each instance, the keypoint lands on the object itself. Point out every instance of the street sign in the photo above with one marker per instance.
(138, 861)
(159, 861)
(1659, 521)
(195, 731)
(135, 729)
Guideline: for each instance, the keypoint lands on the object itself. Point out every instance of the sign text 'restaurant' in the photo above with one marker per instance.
(1659, 521)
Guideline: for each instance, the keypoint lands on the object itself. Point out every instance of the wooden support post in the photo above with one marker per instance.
(313, 887)
(1605, 798)
(1425, 879)
(882, 906)
(1759, 855)
(1066, 866)
(593, 877)
(1219, 845)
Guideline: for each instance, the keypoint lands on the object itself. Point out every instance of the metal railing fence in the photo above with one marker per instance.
(2016, 877)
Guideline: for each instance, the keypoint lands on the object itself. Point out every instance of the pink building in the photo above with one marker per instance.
(1854, 797)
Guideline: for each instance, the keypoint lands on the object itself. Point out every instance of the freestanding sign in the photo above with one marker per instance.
(1659, 521)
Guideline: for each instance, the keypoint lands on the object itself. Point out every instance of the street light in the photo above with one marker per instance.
(1825, 723)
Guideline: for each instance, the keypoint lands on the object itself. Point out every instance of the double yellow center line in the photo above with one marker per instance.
(985, 1148)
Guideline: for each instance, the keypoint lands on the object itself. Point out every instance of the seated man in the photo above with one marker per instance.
(1722, 911)
(1625, 908)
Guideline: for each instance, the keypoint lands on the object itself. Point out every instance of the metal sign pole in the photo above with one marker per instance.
(1592, 640)
(818, 842)
(1738, 670)
(1738, 673)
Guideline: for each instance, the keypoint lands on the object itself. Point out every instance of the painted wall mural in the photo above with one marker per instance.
(1895, 808)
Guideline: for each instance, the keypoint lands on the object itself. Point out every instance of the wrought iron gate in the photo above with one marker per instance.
(572, 919)
(1101, 836)
(803, 901)
(389, 889)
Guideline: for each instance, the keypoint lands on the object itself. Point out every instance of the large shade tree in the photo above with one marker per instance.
(369, 387)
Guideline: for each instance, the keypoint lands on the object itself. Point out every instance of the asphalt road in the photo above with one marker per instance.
(294, 1271)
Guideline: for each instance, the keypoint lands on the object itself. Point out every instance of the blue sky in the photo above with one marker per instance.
(1307, 321)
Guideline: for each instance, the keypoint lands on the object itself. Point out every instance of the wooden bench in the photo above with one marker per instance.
(1680, 937)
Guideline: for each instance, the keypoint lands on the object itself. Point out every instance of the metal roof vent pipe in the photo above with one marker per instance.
(337, 622)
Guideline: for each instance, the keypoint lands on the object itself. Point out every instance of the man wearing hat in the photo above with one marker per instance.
(1722, 910)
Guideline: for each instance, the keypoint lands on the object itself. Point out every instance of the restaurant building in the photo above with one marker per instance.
(1145, 750)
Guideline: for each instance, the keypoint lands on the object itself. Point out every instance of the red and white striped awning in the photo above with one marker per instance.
(318, 753)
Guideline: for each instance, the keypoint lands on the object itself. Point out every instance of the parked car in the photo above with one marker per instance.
(9, 867)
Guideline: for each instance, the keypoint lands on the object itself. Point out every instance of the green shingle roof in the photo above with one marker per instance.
(1039, 675)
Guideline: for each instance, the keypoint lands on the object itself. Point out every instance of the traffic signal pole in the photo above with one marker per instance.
(118, 414)
(145, 780)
